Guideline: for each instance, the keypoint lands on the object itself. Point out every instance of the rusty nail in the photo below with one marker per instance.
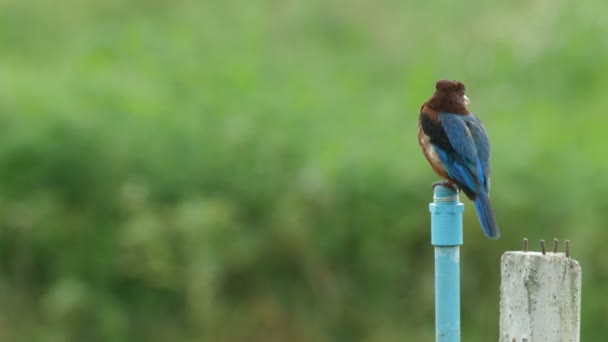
(525, 245)
(555, 243)
(567, 248)
(542, 247)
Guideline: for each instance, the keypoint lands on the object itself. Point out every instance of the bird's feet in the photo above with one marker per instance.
(447, 184)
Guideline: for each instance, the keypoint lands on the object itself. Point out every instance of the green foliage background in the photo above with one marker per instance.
(249, 170)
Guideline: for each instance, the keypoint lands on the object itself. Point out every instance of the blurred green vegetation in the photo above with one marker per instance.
(249, 171)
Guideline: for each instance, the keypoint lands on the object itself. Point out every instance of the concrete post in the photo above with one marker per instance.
(540, 297)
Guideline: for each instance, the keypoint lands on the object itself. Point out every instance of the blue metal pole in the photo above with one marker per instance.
(446, 235)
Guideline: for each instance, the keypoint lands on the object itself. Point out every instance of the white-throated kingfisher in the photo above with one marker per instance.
(456, 145)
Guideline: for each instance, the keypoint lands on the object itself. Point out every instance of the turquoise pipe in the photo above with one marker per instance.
(446, 235)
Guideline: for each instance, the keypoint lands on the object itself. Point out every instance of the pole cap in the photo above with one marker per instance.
(446, 217)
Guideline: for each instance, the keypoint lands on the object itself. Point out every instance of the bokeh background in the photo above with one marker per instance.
(232, 171)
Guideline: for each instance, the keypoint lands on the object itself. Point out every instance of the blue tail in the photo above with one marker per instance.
(486, 216)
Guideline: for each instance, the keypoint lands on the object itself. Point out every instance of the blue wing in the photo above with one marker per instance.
(480, 137)
(468, 162)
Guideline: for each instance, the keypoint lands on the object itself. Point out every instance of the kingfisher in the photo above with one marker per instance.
(456, 145)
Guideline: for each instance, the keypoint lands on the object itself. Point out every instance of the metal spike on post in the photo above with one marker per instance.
(555, 245)
(446, 235)
(542, 247)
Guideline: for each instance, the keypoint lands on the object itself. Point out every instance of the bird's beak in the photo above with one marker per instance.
(466, 100)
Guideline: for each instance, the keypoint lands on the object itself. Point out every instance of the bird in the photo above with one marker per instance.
(455, 143)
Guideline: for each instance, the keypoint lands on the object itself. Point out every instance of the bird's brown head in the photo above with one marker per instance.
(449, 97)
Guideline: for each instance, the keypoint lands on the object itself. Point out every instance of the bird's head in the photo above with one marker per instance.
(450, 97)
(453, 88)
